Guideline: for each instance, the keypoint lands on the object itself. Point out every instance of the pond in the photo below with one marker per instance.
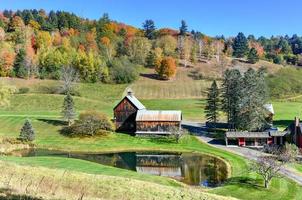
(190, 168)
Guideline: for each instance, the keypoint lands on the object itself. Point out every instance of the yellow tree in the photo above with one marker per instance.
(107, 47)
(167, 68)
(168, 44)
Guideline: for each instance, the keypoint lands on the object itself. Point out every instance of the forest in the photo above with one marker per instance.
(37, 44)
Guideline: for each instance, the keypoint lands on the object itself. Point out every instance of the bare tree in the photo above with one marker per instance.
(200, 46)
(269, 166)
(69, 76)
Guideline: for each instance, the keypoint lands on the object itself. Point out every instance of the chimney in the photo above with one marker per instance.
(297, 121)
(129, 92)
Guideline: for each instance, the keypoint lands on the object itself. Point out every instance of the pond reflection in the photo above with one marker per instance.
(190, 168)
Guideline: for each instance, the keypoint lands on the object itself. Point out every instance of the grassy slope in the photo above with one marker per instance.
(65, 184)
(243, 181)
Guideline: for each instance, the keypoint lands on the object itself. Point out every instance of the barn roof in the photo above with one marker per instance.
(269, 107)
(135, 102)
(245, 134)
(159, 115)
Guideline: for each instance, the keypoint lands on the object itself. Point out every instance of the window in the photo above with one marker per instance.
(249, 141)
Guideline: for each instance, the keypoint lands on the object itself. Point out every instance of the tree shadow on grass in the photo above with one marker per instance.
(55, 122)
(283, 123)
(245, 182)
(6, 194)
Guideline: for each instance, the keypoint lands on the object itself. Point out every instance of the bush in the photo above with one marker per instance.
(23, 90)
(90, 123)
(278, 59)
(291, 59)
(123, 71)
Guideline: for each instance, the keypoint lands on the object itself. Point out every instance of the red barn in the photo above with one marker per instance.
(131, 116)
(125, 113)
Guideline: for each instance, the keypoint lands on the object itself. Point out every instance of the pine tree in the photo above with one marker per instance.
(68, 111)
(231, 95)
(252, 111)
(240, 46)
(150, 60)
(20, 64)
(212, 106)
(183, 29)
(253, 56)
(149, 29)
(27, 132)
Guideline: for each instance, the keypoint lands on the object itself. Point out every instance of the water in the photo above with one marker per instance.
(190, 168)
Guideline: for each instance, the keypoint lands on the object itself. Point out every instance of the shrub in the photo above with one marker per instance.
(123, 71)
(253, 56)
(278, 59)
(90, 123)
(27, 132)
(291, 59)
(23, 90)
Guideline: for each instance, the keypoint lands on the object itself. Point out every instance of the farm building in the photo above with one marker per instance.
(131, 116)
(295, 132)
(157, 122)
(258, 139)
(255, 139)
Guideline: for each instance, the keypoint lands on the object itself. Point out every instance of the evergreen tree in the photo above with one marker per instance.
(151, 59)
(252, 111)
(27, 132)
(20, 69)
(68, 111)
(149, 29)
(231, 95)
(183, 29)
(53, 19)
(253, 57)
(240, 46)
(212, 106)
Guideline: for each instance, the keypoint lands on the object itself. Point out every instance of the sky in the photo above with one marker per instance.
(212, 17)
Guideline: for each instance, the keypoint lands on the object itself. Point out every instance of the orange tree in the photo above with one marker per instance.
(167, 68)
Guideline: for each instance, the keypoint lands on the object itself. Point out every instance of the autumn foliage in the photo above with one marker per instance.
(167, 68)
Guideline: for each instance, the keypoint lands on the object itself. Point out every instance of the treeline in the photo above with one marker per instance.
(34, 43)
(242, 98)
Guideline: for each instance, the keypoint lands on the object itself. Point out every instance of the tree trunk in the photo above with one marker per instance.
(266, 182)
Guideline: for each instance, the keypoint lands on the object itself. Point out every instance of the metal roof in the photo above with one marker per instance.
(159, 115)
(269, 107)
(278, 133)
(135, 102)
(245, 134)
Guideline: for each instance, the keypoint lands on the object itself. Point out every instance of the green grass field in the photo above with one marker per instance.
(43, 109)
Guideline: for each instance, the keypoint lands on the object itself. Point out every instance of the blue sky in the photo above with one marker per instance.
(212, 17)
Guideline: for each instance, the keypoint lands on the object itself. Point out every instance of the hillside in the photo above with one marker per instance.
(186, 84)
(61, 184)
